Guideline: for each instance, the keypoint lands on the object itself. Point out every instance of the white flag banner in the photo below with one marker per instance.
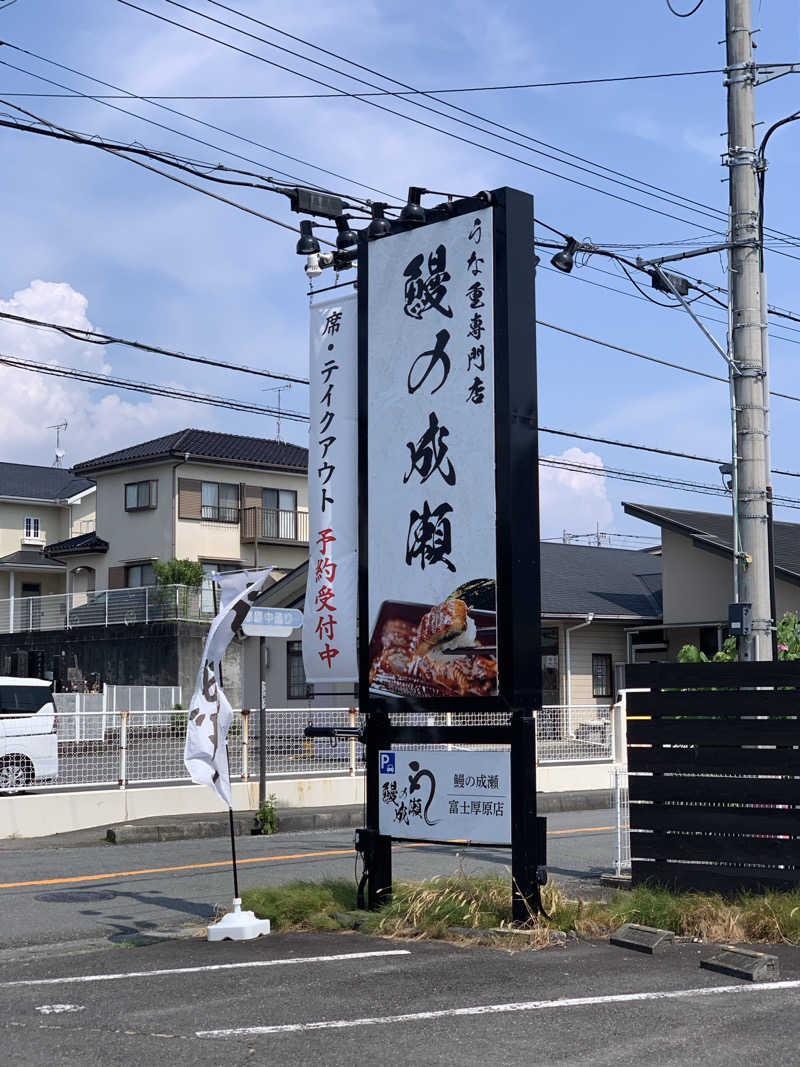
(329, 619)
(205, 754)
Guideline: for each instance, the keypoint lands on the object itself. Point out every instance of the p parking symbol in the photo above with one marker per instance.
(386, 763)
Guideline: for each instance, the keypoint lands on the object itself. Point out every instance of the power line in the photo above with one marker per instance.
(152, 388)
(62, 133)
(391, 92)
(719, 214)
(96, 338)
(180, 114)
(427, 125)
(685, 14)
(634, 296)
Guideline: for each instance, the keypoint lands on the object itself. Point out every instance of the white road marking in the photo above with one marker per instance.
(498, 1009)
(344, 957)
(59, 1009)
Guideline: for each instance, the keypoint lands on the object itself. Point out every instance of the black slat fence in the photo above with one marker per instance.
(714, 775)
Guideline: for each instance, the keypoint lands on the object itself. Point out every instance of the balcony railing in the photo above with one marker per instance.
(272, 524)
(107, 607)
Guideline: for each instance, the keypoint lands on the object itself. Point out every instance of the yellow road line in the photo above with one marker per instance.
(248, 859)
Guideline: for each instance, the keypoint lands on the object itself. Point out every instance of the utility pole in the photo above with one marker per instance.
(747, 363)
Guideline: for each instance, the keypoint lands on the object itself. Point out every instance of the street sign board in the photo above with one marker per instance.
(446, 796)
(272, 622)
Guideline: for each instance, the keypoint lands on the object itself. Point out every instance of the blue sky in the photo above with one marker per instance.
(93, 239)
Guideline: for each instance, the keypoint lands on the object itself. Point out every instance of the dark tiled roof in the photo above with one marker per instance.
(73, 546)
(577, 579)
(225, 448)
(40, 483)
(31, 557)
(714, 530)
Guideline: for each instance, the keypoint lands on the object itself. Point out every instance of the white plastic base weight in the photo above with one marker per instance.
(238, 925)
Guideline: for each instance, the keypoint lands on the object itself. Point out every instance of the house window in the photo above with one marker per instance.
(207, 601)
(139, 574)
(601, 674)
(220, 502)
(32, 527)
(297, 688)
(141, 496)
(279, 514)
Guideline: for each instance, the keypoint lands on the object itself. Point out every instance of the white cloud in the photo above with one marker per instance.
(573, 500)
(30, 403)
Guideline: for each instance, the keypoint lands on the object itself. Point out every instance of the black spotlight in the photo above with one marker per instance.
(346, 237)
(413, 212)
(565, 259)
(308, 244)
(380, 226)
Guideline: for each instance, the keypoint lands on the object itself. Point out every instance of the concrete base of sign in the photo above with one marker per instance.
(238, 925)
(641, 938)
(743, 963)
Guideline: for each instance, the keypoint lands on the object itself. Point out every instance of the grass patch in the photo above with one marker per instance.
(446, 907)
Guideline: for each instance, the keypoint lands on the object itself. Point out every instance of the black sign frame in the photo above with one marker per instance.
(517, 545)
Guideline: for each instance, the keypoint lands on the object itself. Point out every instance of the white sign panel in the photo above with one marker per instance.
(272, 622)
(431, 482)
(446, 796)
(329, 627)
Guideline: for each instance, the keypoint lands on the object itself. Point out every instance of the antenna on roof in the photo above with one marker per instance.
(278, 389)
(58, 427)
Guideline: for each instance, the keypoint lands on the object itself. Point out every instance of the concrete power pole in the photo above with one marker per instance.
(749, 371)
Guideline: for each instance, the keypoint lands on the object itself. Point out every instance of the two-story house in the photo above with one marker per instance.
(222, 500)
(37, 505)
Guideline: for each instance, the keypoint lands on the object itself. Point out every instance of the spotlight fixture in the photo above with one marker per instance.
(380, 226)
(308, 245)
(726, 470)
(413, 212)
(346, 237)
(565, 259)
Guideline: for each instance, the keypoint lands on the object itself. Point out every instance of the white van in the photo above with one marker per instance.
(28, 733)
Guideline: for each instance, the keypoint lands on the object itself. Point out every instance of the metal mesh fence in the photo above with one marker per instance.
(97, 745)
(574, 733)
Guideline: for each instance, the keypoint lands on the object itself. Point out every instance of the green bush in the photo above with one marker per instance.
(179, 572)
(267, 816)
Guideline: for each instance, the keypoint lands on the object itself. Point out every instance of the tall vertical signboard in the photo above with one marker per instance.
(449, 586)
(432, 569)
(329, 620)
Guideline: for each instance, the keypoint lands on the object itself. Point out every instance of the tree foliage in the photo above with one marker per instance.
(179, 572)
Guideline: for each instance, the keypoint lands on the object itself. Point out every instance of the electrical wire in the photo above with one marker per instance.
(719, 214)
(180, 114)
(420, 122)
(64, 134)
(390, 92)
(55, 370)
(685, 14)
(95, 338)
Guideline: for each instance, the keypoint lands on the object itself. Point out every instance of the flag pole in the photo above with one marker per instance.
(233, 835)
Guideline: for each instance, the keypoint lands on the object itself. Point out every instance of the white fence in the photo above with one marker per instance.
(105, 607)
(134, 734)
(88, 716)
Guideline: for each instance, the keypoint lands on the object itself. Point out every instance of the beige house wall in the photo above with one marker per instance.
(52, 582)
(203, 539)
(159, 533)
(83, 514)
(133, 536)
(698, 585)
(53, 524)
(601, 638)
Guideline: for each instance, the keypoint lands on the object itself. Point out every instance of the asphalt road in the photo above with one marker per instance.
(56, 894)
(347, 999)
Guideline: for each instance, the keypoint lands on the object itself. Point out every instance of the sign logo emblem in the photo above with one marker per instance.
(386, 763)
